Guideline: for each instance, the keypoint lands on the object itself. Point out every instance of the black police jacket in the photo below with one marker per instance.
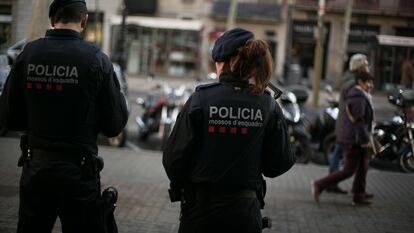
(63, 91)
(217, 138)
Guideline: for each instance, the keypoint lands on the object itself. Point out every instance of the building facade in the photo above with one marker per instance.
(162, 37)
(175, 37)
(263, 17)
(16, 16)
(7, 34)
(370, 19)
(165, 37)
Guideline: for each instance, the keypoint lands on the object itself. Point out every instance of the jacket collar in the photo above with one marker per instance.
(63, 34)
(362, 90)
(229, 79)
(356, 91)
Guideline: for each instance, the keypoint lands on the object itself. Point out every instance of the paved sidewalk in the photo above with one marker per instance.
(144, 206)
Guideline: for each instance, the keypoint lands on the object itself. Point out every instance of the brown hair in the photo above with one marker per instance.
(363, 76)
(252, 61)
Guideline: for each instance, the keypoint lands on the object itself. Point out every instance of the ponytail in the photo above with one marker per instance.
(252, 61)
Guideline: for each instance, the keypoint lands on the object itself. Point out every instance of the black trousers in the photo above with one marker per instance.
(206, 213)
(49, 189)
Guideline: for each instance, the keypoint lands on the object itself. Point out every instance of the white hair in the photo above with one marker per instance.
(357, 61)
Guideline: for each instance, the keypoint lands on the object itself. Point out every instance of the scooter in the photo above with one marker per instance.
(314, 135)
(322, 130)
(298, 136)
(393, 140)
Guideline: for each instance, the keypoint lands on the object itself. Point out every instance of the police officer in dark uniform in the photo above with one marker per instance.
(62, 92)
(226, 137)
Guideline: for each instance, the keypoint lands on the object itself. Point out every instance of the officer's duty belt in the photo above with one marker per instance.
(71, 156)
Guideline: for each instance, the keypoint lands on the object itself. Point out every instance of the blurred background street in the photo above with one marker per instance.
(161, 50)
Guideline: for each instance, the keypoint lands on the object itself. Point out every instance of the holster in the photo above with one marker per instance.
(91, 165)
(107, 205)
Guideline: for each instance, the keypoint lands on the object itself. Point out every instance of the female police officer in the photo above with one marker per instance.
(228, 134)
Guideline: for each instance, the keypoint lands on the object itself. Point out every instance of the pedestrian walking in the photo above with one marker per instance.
(357, 63)
(354, 137)
(62, 92)
(227, 136)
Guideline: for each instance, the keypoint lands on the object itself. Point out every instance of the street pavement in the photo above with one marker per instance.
(143, 205)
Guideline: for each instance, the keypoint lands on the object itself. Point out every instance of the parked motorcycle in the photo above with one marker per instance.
(322, 130)
(160, 111)
(315, 130)
(290, 105)
(394, 141)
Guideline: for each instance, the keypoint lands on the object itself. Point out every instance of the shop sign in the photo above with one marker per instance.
(306, 29)
(362, 33)
(395, 40)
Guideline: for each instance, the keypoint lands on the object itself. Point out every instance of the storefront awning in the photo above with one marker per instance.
(162, 23)
(395, 40)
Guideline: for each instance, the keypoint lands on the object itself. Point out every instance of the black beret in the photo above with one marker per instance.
(227, 44)
(57, 4)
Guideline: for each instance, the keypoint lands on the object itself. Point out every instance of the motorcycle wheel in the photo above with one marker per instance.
(407, 161)
(118, 141)
(301, 150)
